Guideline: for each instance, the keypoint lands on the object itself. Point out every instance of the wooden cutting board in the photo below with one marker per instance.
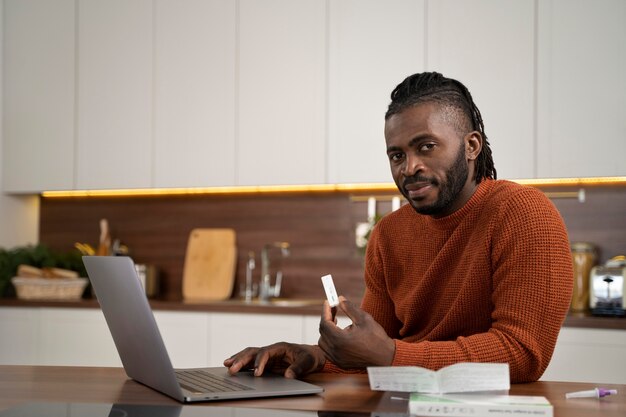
(210, 261)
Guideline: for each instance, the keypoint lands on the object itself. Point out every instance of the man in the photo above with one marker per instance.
(472, 270)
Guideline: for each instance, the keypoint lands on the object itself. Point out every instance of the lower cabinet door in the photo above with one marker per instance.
(231, 333)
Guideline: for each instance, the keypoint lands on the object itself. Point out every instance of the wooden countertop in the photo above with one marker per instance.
(342, 392)
(310, 307)
(594, 322)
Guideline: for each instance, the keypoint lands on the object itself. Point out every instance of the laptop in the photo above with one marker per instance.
(143, 353)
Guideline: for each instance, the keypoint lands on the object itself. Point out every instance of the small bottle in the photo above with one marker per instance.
(584, 257)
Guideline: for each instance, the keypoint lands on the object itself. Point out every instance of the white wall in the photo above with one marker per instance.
(19, 215)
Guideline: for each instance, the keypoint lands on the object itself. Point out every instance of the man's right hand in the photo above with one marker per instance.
(291, 360)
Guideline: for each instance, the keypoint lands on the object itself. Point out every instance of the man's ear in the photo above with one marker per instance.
(473, 145)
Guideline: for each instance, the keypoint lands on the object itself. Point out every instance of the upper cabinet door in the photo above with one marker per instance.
(115, 106)
(373, 46)
(281, 92)
(582, 88)
(194, 93)
(488, 45)
(39, 88)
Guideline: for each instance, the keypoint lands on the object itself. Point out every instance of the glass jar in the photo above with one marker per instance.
(584, 257)
(149, 278)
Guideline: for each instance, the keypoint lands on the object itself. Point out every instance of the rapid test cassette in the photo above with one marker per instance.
(331, 292)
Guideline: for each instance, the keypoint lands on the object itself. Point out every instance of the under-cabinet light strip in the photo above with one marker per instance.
(364, 187)
(307, 188)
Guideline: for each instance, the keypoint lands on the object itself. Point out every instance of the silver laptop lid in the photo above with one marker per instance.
(131, 322)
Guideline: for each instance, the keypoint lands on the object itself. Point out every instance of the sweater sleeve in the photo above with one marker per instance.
(531, 291)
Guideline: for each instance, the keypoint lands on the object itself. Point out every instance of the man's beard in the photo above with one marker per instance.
(449, 190)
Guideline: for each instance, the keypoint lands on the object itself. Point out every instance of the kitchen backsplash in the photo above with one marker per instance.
(320, 228)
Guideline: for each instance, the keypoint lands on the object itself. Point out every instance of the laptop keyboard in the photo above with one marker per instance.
(198, 381)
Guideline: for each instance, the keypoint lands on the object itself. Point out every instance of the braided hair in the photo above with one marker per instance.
(433, 87)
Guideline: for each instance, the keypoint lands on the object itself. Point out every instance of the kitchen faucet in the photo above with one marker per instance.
(267, 290)
(250, 288)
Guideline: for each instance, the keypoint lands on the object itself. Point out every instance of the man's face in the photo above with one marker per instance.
(429, 158)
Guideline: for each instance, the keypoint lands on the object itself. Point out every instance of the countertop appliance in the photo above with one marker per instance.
(607, 297)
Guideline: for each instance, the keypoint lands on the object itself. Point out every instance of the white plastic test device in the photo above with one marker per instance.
(331, 292)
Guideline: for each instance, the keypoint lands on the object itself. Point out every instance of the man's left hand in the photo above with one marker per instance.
(363, 343)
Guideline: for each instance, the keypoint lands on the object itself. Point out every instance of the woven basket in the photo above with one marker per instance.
(49, 289)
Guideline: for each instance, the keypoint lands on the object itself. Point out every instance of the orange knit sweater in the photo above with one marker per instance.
(490, 283)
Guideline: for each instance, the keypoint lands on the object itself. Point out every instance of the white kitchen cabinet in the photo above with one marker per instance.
(115, 94)
(80, 336)
(488, 45)
(581, 87)
(373, 46)
(311, 328)
(281, 99)
(588, 355)
(19, 344)
(186, 337)
(75, 337)
(194, 93)
(39, 88)
(232, 332)
(157, 93)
